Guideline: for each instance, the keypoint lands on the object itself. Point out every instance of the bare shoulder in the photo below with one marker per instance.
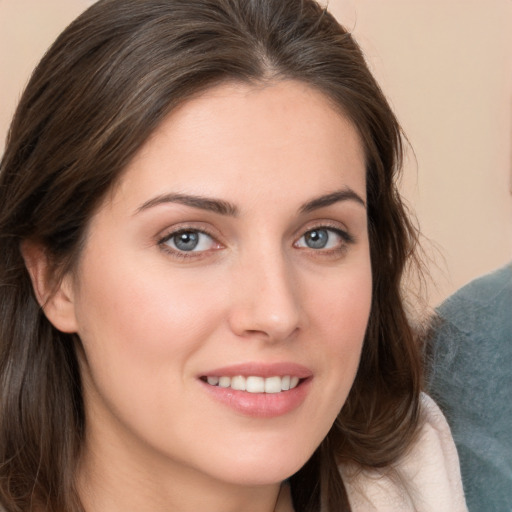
(426, 479)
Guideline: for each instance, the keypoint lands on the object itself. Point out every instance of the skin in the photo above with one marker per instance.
(152, 321)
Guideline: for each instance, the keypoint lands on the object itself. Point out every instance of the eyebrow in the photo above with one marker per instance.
(347, 194)
(203, 203)
(226, 208)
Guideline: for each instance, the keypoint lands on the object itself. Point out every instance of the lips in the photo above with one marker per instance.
(261, 390)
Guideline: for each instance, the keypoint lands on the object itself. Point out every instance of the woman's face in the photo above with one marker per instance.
(232, 253)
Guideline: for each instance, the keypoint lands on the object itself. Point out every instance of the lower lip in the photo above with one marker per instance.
(261, 405)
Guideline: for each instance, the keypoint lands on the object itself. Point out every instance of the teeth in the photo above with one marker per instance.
(255, 384)
(224, 382)
(238, 383)
(273, 385)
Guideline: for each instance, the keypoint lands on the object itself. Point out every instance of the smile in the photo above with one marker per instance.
(255, 384)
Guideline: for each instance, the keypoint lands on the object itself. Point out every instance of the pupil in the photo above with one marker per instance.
(317, 239)
(186, 241)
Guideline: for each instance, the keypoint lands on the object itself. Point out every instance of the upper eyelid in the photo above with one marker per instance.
(171, 231)
(346, 237)
(323, 224)
(171, 234)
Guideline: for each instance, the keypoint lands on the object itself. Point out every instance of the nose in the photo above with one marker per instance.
(265, 301)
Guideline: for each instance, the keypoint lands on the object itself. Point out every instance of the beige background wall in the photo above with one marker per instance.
(446, 66)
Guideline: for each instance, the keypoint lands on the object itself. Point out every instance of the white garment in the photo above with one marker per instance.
(426, 479)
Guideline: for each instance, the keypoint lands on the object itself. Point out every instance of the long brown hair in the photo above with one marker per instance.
(104, 86)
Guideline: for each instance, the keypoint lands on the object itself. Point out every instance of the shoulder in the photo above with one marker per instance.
(468, 309)
(470, 342)
(426, 479)
(469, 376)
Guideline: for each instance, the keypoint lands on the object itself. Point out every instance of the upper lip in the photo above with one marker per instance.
(261, 370)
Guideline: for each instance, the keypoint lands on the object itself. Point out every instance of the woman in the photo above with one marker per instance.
(202, 247)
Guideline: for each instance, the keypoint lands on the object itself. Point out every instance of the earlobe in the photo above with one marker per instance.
(55, 298)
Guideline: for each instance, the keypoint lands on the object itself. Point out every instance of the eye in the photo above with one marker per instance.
(324, 238)
(189, 240)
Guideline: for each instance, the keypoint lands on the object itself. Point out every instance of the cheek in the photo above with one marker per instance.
(139, 332)
(346, 319)
(341, 316)
(143, 314)
(337, 315)
(342, 307)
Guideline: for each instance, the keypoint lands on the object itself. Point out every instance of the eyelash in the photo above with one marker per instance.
(346, 238)
(180, 254)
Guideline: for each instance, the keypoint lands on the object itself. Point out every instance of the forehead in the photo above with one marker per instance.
(258, 138)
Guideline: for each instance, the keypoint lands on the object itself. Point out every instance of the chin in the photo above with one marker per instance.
(260, 466)
(267, 474)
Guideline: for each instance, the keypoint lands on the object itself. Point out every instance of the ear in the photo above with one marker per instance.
(55, 298)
